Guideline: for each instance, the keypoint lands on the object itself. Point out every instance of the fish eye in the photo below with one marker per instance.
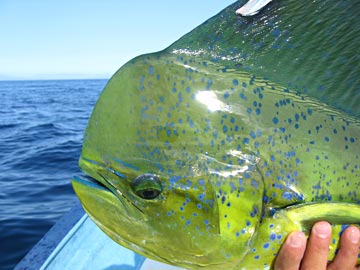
(147, 186)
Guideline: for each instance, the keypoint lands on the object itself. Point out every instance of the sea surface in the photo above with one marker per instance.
(41, 131)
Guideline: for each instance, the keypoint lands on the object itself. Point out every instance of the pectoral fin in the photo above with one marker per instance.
(339, 215)
(336, 213)
(274, 229)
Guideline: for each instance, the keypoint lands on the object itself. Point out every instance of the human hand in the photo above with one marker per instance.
(296, 254)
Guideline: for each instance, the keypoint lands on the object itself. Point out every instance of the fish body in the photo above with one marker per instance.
(209, 153)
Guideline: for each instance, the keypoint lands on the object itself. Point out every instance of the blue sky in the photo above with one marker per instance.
(46, 39)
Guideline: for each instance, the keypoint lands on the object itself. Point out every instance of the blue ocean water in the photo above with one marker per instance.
(41, 130)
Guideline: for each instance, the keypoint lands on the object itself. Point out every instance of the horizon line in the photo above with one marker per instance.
(60, 76)
(51, 79)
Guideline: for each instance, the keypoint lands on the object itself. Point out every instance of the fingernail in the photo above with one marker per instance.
(322, 230)
(295, 239)
(354, 235)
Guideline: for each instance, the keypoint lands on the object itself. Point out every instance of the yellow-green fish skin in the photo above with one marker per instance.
(243, 156)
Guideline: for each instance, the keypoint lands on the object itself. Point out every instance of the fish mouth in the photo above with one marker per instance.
(87, 187)
(106, 208)
(106, 188)
(90, 182)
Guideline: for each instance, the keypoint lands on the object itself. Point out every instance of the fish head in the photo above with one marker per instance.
(165, 183)
(194, 154)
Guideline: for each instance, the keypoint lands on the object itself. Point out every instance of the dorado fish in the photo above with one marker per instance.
(210, 152)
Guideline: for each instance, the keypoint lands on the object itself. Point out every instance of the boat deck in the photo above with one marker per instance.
(76, 243)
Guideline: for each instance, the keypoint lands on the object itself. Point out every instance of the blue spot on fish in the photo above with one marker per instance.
(275, 120)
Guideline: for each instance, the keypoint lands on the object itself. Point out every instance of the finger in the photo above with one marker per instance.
(291, 253)
(348, 253)
(315, 257)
